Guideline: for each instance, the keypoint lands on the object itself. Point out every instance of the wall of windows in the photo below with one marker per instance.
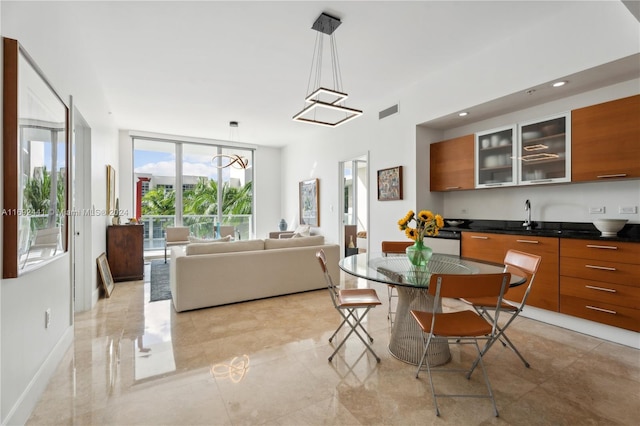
(215, 182)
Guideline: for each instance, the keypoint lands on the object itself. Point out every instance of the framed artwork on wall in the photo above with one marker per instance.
(309, 203)
(390, 184)
(105, 274)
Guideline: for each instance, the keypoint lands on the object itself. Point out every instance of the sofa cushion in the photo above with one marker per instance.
(272, 243)
(224, 247)
(193, 239)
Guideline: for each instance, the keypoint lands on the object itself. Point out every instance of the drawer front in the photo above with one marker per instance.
(478, 245)
(493, 247)
(600, 270)
(604, 313)
(596, 291)
(601, 250)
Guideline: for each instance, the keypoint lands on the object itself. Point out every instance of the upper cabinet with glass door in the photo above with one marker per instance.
(544, 151)
(495, 151)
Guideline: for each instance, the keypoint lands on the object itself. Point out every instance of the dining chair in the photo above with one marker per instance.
(46, 240)
(518, 263)
(462, 326)
(393, 247)
(347, 302)
(175, 236)
(227, 231)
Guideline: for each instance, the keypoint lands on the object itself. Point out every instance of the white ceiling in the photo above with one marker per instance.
(188, 68)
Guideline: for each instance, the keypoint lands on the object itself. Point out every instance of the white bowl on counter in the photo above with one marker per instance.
(609, 227)
(455, 222)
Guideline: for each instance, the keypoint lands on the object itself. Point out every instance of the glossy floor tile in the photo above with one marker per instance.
(265, 362)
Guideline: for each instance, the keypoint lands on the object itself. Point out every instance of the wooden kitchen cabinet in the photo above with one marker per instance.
(125, 252)
(493, 248)
(605, 141)
(600, 281)
(451, 164)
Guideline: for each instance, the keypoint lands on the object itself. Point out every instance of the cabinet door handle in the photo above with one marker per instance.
(607, 311)
(593, 287)
(528, 241)
(602, 247)
(453, 187)
(478, 237)
(492, 184)
(541, 180)
(604, 268)
(612, 176)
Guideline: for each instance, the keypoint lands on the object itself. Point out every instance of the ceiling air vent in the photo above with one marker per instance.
(387, 112)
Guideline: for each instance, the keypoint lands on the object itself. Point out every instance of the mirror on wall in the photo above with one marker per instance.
(35, 144)
(354, 205)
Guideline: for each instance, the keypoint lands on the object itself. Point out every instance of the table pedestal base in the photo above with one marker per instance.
(406, 341)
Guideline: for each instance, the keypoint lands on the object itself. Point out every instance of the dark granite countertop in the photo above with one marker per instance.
(578, 230)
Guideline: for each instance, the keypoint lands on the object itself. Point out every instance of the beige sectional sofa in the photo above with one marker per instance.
(211, 274)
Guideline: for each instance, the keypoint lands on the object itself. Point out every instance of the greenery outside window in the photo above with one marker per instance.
(184, 187)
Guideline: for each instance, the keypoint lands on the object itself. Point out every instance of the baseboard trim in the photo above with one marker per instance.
(20, 412)
(590, 328)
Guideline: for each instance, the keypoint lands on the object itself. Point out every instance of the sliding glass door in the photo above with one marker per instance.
(208, 188)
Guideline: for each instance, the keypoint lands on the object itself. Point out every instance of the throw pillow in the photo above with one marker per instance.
(304, 230)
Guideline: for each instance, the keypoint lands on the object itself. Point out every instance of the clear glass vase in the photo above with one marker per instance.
(419, 254)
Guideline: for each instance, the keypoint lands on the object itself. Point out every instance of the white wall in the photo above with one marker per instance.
(30, 353)
(492, 73)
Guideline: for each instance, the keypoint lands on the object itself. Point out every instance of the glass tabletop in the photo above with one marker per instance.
(397, 270)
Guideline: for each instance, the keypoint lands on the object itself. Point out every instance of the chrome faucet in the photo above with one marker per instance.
(527, 208)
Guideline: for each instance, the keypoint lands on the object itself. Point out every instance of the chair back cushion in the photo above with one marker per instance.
(522, 261)
(395, 247)
(466, 286)
(227, 231)
(177, 233)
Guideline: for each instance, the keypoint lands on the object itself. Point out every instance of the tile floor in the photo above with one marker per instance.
(265, 362)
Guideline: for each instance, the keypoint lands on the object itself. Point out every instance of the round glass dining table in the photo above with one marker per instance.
(406, 341)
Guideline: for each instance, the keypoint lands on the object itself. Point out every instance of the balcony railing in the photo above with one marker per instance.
(201, 226)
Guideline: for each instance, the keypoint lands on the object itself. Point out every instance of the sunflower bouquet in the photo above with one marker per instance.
(426, 223)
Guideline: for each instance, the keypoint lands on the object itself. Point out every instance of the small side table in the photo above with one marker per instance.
(350, 251)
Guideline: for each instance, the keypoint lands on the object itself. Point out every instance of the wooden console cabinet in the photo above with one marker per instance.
(125, 252)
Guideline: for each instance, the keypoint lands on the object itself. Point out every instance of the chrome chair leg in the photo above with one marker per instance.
(354, 329)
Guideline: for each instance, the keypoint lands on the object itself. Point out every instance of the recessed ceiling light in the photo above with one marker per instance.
(559, 83)
(463, 114)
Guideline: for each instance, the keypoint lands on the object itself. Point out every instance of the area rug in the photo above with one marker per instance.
(160, 288)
